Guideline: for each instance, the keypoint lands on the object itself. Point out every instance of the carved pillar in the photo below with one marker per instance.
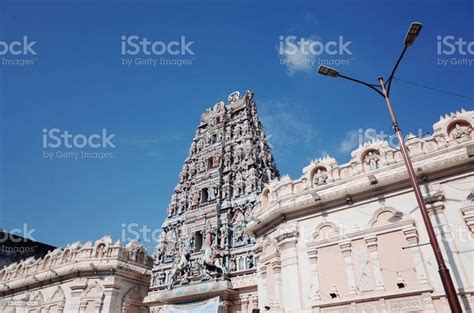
(428, 305)
(371, 243)
(262, 286)
(253, 302)
(276, 266)
(77, 288)
(244, 304)
(315, 294)
(346, 253)
(110, 302)
(289, 267)
(411, 236)
(435, 206)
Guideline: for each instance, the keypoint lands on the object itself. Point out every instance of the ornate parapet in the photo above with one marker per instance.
(373, 165)
(103, 256)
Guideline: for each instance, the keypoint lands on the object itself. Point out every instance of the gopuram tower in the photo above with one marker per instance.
(204, 257)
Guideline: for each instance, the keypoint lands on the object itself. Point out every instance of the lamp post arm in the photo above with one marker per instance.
(371, 86)
(389, 80)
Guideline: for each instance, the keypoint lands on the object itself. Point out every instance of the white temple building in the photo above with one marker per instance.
(240, 238)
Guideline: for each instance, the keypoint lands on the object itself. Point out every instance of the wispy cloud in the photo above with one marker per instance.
(350, 141)
(299, 60)
(294, 57)
(284, 127)
(354, 138)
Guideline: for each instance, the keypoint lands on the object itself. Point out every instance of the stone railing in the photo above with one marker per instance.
(102, 255)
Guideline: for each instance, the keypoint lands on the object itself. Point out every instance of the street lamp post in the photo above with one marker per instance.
(383, 89)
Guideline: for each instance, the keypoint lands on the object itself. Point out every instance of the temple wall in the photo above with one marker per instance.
(99, 277)
(350, 237)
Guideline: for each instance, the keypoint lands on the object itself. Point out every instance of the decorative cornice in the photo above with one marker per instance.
(301, 199)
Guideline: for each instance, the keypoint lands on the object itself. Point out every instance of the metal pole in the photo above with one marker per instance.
(442, 269)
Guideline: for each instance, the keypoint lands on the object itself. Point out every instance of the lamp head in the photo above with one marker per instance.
(327, 71)
(413, 32)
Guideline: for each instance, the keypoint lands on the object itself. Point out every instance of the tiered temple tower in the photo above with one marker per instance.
(203, 248)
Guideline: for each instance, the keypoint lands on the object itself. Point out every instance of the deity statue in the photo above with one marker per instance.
(225, 190)
(159, 278)
(224, 238)
(461, 131)
(250, 261)
(170, 242)
(237, 188)
(320, 177)
(188, 242)
(249, 95)
(181, 205)
(215, 161)
(195, 198)
(239, 222)
(213, 193)
(181, 269)
(219, 107)
(232, 264)
(202, 166)
(209, 263)
(228, 159)
(159, 252)
(192, 170)
(372, 160)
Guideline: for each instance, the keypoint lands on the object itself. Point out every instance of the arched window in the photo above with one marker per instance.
(204, 195)
(197, 241)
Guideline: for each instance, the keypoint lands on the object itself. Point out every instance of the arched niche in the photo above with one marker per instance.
(459, 129)
(325, 230)
(370, 160)
(318, 176)
(384, 216)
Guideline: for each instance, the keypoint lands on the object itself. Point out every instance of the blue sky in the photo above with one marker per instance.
(78, 83)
